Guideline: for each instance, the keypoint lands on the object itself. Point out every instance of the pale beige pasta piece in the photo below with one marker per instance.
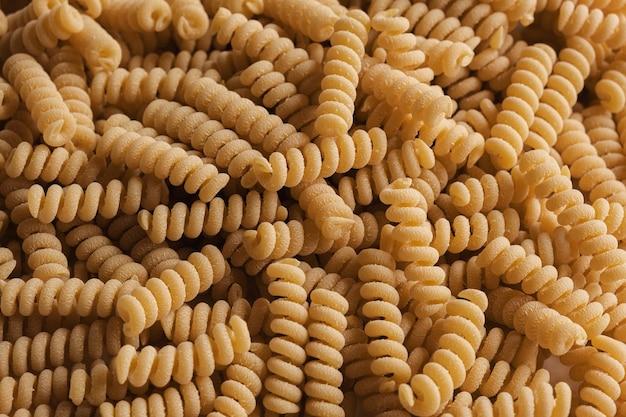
(136, 15)
(9, 100)
(189, 18)
(100, 51)
(54, 120)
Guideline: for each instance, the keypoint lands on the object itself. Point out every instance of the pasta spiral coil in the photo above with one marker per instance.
(327, 313)
(162, 160)
(246, 7)
(252, 122)
(187, 399)
(68, 203)
(99, 49)
(341, 74)
(44, 250)
(9, 100)
(37, 90)
(242, 386)
(409, 241)
(285, 376)
(515, 267)
(102, 257)
(319, 21)
(433, 23)
(209, 219)
(189, 18)
(386, 338)
(445, 56)
(535, 320)
(446, 369)
(399, 47)
(592, 24)
(202, 133)
(330, 214)
(611, 88)
(543, 173)
(30, 12)
(602, 378)
(451, 137)
(184, 60)
(472, 233)
(52, 164)
(145, 305)
(519, 107)
(333, 154)
(482, 193)
(136, 16)
(185, 360)
(68, 297)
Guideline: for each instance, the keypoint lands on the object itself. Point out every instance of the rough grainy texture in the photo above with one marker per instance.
(329, 208)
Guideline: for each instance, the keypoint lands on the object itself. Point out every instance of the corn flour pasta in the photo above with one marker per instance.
(328, 208)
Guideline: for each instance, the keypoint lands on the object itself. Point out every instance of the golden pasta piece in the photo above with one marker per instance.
(136, 16)
(37, 90)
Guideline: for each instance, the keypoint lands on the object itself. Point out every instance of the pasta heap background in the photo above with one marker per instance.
(313, 207)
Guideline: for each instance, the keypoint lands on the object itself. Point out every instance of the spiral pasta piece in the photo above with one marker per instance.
(192, 398)
(341, 74)
(243, 384)
(54, 120)
(543, 173)
(397, 45)
(68, 297)
(611, 88)
(9, 100)
(313, 161)
(248, 8)
(455, 139)
(319, 21)
(409, 241)
(474, 232)
(327, 313)
(515, 267)
(386, 338)
(162, 160)
(446, 369)
(209, 219)
(183, 361)
(200, 132)
(184, 60)
(285, 374)
(136, 16)
(445, 56)
(189, 18)
(69, 203)
(482, 193)
(592, 24)
(330, 214)
(99, 49)
(519, 107)
(434, 24)
(44, 250)
(253, 122)
(145, 305)
(535, 320)
(29, 12)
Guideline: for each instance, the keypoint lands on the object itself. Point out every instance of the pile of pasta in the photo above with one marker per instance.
(325, 208)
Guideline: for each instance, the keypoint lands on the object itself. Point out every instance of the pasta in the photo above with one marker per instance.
(318, 207)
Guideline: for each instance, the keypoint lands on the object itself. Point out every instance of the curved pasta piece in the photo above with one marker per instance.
(483, 193)
(184, 361)
(312, 18)
(44, 250)
(54, 120)
(341, 74)
(161, 295)
(9, 100)
(136, 15)
(592, 23)
(99, 49)
(397, 45)
(611, 88)
(209, 219)
(189, 18)
(192, 398)
(158, 158)
(288, 355)
(544, 175)
(330, 214)
(184, 60)
(519, 107)
(446, 369)
(535, 320)
(445, 56)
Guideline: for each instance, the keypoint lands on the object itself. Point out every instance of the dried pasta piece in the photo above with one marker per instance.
(496, 65)
(248, 8)
(92, 8)
(482, 192)
(518, 108)
(189, 18)
(29, 12)
(398, 46)
(68, 203)
(386, 338)
(54, 120)
(158, 158)
(535, 320)
(136, 15)
(445, 56)
(589, 234)
(611, 88)
(312, 18)
(44, 250)
(288, 355)
(142, 307)
(209, 219)
(341, 74)
(592, 24)
(330, 214)
(184, 361)
(100, 51)
(446, 369)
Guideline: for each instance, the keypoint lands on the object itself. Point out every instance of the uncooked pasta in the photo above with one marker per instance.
(312, 207)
